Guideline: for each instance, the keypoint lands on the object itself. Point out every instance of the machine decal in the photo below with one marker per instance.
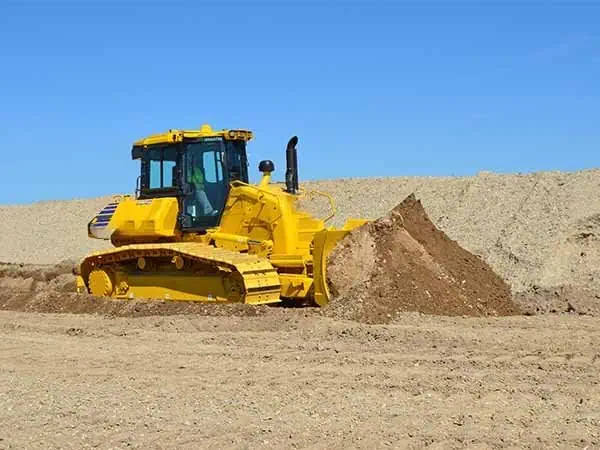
(97, 226)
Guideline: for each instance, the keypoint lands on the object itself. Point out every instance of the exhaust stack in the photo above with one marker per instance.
(291, 174)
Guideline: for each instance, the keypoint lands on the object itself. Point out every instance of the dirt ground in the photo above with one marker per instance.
(293, 379)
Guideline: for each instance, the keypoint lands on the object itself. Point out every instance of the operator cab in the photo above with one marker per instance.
(196, 167)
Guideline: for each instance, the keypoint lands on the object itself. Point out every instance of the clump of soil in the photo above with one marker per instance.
(402, 262)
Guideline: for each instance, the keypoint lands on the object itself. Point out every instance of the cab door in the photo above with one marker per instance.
(206, 184)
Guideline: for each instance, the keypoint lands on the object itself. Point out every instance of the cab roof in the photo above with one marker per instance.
(205, 130)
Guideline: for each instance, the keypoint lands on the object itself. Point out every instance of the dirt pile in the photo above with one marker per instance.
(402, 262)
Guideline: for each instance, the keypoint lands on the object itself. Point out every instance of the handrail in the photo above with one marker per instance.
(310, 195)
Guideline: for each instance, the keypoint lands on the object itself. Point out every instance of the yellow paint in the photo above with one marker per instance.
(143, 220)
(80, 285)
(204, 131)
(295, 286)
(175, 286)
(100, 283)
(265, 180)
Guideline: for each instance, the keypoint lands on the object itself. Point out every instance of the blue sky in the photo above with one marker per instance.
(371, 88)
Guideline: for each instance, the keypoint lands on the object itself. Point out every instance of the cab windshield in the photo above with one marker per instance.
(205, 177)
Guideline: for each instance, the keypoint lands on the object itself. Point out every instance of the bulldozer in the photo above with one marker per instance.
(196, 229)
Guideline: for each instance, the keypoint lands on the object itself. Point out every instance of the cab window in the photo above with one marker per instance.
(213, 166)
(158, 168)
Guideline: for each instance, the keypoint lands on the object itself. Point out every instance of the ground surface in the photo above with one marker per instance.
(286, 380)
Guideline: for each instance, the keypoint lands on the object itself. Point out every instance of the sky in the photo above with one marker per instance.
(371, 88)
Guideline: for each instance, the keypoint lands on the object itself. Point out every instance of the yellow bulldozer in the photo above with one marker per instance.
(197, 230)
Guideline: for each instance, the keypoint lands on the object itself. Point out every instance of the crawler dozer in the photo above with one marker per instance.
(196, 229)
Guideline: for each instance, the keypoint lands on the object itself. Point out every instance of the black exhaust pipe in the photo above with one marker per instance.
(291, 174)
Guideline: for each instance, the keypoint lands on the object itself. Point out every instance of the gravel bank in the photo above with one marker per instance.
(48, 232)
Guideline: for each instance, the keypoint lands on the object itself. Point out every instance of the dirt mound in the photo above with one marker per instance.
(402, 262)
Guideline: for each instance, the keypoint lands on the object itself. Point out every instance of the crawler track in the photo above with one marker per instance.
(253, 279)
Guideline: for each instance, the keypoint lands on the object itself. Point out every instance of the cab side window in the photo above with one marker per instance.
(213, 166)
(161, 163)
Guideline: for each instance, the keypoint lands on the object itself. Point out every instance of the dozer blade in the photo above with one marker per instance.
(323, 243)
(180, 271)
